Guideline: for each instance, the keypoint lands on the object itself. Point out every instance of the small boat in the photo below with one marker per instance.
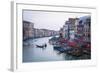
(40, 46)
(59, 48)
(56, 47)
(53, 40)
(75, 52)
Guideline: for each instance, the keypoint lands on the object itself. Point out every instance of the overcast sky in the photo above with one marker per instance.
(49, 20)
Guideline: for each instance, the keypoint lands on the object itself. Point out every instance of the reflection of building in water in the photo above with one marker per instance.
(28, 30)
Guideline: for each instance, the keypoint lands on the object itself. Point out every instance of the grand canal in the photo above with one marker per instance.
(31, 53)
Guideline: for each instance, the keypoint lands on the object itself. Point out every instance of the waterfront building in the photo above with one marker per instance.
(72, 23)
(39, 33)
(66, 30)
(28, 28)
(61, 33)
(70, 28)
(86, 22)
(87, 29)
(76, 24)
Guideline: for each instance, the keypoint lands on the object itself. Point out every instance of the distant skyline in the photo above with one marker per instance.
(49, 20)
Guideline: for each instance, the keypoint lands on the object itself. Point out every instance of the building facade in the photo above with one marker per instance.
(77, 28)
(66, 30)
(28, 28)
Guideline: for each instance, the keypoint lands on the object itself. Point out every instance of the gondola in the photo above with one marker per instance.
(40, 46)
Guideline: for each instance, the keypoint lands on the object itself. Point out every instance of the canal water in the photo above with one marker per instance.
(31, 53)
